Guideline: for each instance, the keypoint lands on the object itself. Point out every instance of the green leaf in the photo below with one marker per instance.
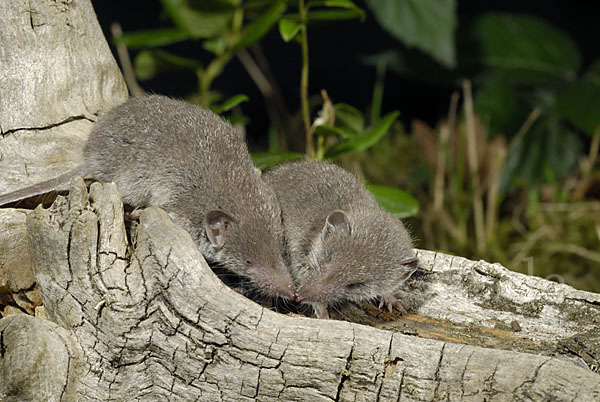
(350, 117)
(500, 106)
(238, 119)
(216, 45)
(265, 160)
(261, 25)
(397, 202)
(415, 65)
(331, 15)
(255, 4)
(366, 140)
(592, 75)
(200, 18)
(334, 131)
(288, 28)
(229, 103)
(580, 103)
(149, 63)
(152, 38)
(347, 4)
(425, 24)
(545, 154)
(528, 48)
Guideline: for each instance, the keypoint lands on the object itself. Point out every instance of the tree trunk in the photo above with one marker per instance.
(56, 76)
(138, 315)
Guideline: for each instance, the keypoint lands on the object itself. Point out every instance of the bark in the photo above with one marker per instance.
(147, 319)
(56, 76)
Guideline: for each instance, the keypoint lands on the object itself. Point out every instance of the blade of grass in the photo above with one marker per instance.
(473, 163)
(366, 140)
(493, 197)
(378, 91)
(535, 113)
(440, 169)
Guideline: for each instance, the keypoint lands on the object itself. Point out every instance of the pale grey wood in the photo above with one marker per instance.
(56, 76)
(16, 273)
(40, 360)
(153, 322)
(56, 64)
(31, 156)
(469, 292)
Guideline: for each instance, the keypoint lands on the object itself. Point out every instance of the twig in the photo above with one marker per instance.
(264, 86)
(255, 73)
(134, 88)
(574, 249)
(530, 241)
(533, 116)
(593, 154)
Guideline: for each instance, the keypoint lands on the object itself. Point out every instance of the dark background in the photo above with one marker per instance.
(335, 52)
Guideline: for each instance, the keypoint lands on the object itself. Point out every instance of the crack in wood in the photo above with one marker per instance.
(49, 126)
(462, 375)
(345, 374)
(533, 378)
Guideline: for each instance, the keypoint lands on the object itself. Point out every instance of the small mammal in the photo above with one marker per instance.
(342, 246)
(178, 156)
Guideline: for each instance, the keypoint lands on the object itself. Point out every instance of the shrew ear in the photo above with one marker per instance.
(337, 221)
(410, 261)
(216, 224)
(408, 267)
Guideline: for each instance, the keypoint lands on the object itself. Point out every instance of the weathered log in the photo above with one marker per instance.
(56, 76)
(150, 320)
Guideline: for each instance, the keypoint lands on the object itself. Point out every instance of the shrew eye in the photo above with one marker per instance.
(354, 286)
(248, 262)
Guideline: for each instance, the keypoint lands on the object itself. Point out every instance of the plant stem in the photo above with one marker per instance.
(304, 82)
(207, 75)
(473, 162)
(440, 169)
(498, 158)
(378, 92)
(216, 66)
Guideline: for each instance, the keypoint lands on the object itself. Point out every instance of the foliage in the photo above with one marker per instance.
(553, 231)
(514, 195)
(518, 64)
(538, 65)
(223, 27)
(426, 25)
(226, 27)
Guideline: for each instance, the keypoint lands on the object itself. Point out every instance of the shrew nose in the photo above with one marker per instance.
(289, 292)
